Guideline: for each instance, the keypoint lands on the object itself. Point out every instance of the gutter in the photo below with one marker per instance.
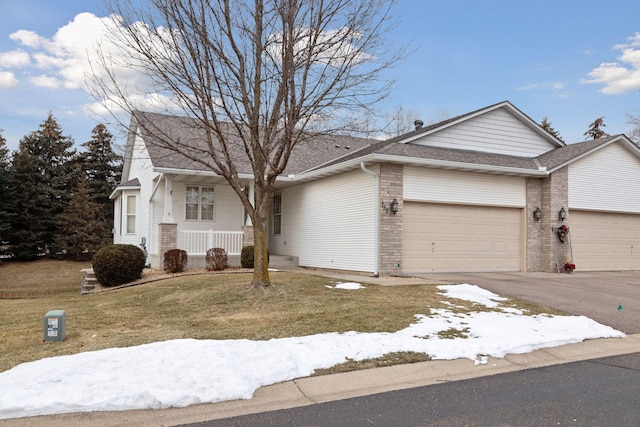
(376, 233)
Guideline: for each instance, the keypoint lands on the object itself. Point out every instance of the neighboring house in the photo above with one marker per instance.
(466, 193)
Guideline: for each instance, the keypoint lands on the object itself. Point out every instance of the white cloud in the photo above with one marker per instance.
(7, 80)
(621, 76)
(27, 38)
(14, 59)
(45, 81)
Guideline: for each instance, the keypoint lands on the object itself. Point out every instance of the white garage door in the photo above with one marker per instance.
(605, 241)
(460, 238)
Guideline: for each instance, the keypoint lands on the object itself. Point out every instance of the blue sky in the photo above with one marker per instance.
(571, 61)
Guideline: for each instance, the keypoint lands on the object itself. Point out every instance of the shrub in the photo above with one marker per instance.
(175, 260)
(246, 257)
(118, 264)
(217, 259)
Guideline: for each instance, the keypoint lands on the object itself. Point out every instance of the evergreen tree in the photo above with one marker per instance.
(103, 168)
(546, 125)
(5, 191)
(595, 129)
(42, 176)
(83, 227)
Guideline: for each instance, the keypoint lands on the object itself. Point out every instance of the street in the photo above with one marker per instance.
(595, 392)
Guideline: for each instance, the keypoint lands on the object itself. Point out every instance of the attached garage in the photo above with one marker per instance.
(604, 241)
(461, 238)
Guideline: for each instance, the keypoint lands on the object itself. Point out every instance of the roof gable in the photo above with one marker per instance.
(498, 129)
(560, 157)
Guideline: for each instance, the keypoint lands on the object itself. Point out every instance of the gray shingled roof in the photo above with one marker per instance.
(314, 151)
(320, 151)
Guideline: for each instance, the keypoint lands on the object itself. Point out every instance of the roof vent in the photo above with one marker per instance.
(418, 124)
(337, 145)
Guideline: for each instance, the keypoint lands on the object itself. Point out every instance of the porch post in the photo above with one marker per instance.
(167, 217)
(247, 228)
(167, 229)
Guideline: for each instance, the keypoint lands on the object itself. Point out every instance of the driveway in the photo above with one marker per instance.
(611, 298)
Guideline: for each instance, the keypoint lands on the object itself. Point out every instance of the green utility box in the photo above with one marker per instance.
(55, 325)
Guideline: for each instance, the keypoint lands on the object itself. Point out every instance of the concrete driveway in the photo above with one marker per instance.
(611, 298)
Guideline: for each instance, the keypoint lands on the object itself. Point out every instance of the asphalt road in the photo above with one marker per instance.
(599, 392)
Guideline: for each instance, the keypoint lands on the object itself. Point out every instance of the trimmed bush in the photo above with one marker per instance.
(115, 265)
(246, 257)
(217, 259)
(175, 260)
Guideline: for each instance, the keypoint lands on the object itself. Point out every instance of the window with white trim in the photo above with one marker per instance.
(199, 203)
(276, 214)
(131, 214)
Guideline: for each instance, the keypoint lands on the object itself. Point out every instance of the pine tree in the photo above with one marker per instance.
(595, 129)
(102, 167)
(42, 176)
(546, 125)
(5, 191)
(83, 227)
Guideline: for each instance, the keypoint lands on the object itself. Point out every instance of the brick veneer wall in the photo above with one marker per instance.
(247, 237)
(390, 231)
(551, 194)
(168, 239)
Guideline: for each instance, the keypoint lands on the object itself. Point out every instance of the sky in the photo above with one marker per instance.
(184, 372)
(571, 61)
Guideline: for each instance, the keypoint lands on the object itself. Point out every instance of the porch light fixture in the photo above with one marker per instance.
(537, 214)
(393, 207)
(562, 214)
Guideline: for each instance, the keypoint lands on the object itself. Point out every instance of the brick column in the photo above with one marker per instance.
(247, 237)
(390, 231)
(167, 239)
(554, 196)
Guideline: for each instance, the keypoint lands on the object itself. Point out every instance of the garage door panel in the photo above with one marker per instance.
(460, 238)
(605, 241)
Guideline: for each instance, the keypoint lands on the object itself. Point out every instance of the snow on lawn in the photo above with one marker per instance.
(187, 371)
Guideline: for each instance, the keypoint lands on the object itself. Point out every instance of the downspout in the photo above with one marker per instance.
(376, 245)
(150, 222)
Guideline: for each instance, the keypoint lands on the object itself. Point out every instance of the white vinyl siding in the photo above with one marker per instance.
(435, 185)
(607, 180)
(330, 223)
(496, 131)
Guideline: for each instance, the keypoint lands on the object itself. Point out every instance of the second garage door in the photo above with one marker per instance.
(460, 238)
(605, 241)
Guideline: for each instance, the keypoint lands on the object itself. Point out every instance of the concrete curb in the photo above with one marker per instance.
(312, 390)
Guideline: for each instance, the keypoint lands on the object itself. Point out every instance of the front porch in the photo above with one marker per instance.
(197, 242)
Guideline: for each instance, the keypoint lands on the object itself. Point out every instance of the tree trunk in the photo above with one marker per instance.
(261, 248)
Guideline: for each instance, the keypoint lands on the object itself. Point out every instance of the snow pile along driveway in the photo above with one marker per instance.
(185, 372)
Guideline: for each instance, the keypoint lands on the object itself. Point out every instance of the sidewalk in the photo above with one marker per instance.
(312, 390)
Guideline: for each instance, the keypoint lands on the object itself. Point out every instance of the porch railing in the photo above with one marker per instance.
(198, 242)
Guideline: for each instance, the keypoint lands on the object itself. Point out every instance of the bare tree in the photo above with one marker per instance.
(635, 132)
(273, 70)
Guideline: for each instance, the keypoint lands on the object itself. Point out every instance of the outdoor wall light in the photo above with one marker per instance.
(393, 207)
(537, 214)
(562, 214)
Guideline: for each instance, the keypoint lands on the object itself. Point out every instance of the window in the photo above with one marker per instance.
(199, 203)
(131, 214)
(276, 214)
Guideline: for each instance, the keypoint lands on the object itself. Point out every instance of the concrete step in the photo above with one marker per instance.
(282, 261)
